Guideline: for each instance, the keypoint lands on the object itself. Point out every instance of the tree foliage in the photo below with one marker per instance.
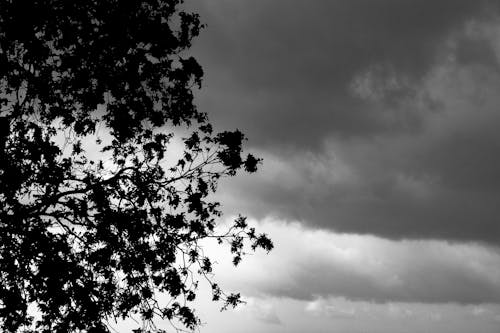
(87, 238)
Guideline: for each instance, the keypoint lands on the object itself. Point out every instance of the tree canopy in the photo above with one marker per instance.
(88, 238)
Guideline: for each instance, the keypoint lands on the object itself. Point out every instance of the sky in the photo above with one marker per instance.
(377, 122)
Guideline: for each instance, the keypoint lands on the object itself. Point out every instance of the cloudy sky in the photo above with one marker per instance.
(378, 124)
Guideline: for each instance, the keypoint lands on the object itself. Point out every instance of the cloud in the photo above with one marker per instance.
(440, 181)
(310, 264)
(372, 117)
(261, 310)
(281, 70)
(320, 307)
(407, 317)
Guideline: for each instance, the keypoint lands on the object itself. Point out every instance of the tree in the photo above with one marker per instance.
(87, 239)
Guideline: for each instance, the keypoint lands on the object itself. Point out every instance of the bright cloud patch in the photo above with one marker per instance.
(308, 264)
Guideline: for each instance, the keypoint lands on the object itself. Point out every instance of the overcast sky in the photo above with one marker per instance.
(378, 122)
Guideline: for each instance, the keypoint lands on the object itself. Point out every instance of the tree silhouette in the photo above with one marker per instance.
(84, 237)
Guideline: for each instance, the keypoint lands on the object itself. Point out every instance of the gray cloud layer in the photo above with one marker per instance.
(375, 117)
(281, 69)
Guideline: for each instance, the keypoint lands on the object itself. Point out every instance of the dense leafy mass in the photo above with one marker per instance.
(88, 238)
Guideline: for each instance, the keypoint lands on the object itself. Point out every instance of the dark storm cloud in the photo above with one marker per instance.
(383, 206)
(281, 70)
(373, 117)
(441, 182)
